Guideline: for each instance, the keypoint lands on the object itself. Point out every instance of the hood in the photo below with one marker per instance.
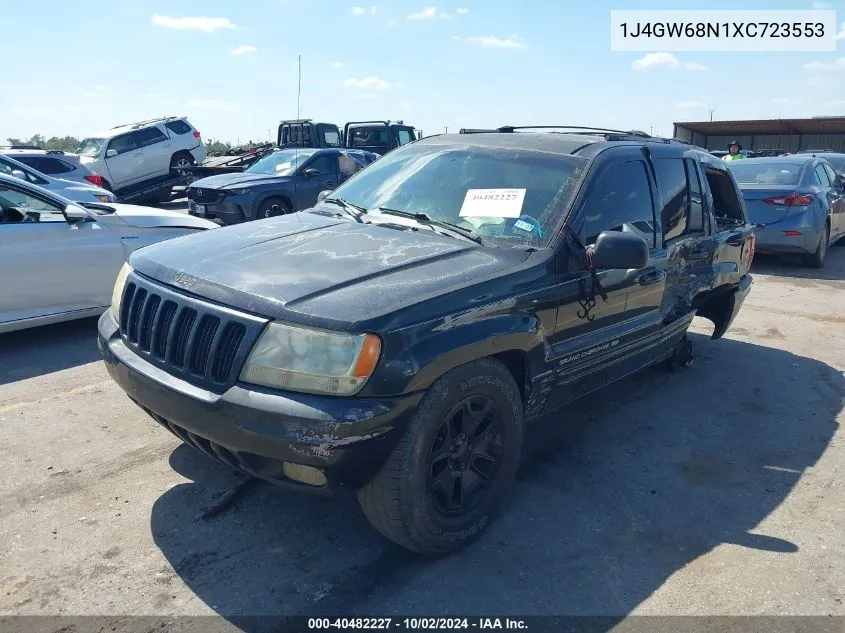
(237, 179)
(150, 217)
(335, 271)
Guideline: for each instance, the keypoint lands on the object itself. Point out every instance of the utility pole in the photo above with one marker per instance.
(712, 110)
(446, 128)
(651, 130)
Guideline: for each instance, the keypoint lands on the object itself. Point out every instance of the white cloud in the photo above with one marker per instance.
(209, 25)
(211, 104)
(372, 83)
(656, 60)
(391, 23)
(357, 11)
(243, 50)
(841, 34)
(695, 66)
(338, 65)
(780, 100)
(462, 11)
(833, 64)
(821, 5)
(425, 14)
(444, 15)
(97, 92)
(491, 41)
(373, 10)
(690, 104)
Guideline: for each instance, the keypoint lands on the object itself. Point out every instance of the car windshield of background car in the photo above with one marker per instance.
(508, 197)
(90, 147)
(281, 163)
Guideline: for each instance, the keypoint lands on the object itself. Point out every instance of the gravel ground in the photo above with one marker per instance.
(715, 491)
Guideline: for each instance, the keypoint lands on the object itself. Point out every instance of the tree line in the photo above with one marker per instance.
(70, 143)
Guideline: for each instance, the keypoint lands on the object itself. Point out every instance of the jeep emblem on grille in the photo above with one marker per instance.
(186, 281)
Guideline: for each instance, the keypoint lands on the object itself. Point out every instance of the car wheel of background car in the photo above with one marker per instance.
(266, 210)
(454, 465)
(180, 161)
(816, 260)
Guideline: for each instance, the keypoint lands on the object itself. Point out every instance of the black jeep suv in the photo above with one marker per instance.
(395, 339)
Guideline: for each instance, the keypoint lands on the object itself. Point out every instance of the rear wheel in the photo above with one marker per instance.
(271, 208)
(454, 465)
(180, 161)
(816, 260)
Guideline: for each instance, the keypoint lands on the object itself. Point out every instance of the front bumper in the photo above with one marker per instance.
(232, 210)
(257, 431)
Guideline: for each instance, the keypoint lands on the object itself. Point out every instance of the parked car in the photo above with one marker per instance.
(56, 163)
(836, 160)
(797, 204)
(395, 339)
(284, 181)
(131, 156)
(60, 258)
(67, 188)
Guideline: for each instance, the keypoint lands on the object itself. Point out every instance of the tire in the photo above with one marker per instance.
(265, 209)
(403, 501)
(816, 260)
(181, 159)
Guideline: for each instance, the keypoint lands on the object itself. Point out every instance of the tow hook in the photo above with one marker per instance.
(682, 355)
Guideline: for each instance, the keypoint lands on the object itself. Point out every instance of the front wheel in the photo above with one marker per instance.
(455, 464)
(271, 208)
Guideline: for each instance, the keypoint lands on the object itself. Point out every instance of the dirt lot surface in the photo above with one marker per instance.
(718, 490)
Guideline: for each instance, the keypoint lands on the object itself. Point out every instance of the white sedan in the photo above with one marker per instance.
(59, 259)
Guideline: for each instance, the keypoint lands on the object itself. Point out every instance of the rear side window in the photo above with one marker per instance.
(149, 136)
(178, 127)
(831, 174)
(45, 165)
(672, 176)
(405, 136)
(696, 208)
(822, 175)
(620, 197)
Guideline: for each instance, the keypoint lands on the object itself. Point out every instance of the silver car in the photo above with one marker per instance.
(60, 259)
(66, 188)
(55, 163)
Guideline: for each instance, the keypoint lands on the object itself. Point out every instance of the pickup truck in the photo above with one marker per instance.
(378, 137)
(396, 339)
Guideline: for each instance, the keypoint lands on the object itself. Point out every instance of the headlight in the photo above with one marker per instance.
(117, 292)
(239, 192)
(311, 360)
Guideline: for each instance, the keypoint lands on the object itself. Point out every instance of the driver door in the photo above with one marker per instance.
(307, 189)
(49, 265)
(594, 344)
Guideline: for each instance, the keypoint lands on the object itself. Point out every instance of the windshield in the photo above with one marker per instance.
(508, 197)
(280, 163)
(837, 162)
(760, 173)
(91, 147)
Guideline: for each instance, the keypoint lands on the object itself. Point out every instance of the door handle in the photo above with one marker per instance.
(651, 276)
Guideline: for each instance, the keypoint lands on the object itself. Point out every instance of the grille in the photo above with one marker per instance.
(205, 196)
(199, 342)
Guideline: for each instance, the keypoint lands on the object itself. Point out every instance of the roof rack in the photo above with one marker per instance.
(139, 124)
(295, 121)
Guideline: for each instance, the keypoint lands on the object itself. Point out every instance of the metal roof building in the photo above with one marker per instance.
(792, 135)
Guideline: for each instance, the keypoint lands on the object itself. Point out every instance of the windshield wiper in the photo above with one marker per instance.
(425, 218)
(351, 209)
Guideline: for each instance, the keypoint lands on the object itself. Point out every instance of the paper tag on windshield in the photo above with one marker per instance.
(493, 203)
(525, 226)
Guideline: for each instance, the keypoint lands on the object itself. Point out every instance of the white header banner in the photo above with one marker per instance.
(723, 30)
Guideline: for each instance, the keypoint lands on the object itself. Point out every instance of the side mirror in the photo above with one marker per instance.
(311, 172)
(615, 250)
(111, 153)
(75, 214)
(323, 195)
(17, 173)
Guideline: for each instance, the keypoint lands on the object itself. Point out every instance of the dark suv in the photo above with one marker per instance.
(395, 339)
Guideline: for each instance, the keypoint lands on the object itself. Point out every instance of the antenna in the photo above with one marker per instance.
(301, 128)
(299, 85)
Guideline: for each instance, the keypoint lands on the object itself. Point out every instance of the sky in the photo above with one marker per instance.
(231, 67)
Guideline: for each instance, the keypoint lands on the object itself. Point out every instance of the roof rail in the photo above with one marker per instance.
(572, 128)
(138, 124)
(295, 121)
(472, 130)
(20, 147)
